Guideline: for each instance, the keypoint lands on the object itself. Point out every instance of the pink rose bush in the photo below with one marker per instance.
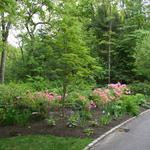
(112, 93)
(92, 105)
(104, 95)
(48, 96)
(45, 101)
(99, 96)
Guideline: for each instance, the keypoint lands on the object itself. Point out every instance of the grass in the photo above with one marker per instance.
(43, 143)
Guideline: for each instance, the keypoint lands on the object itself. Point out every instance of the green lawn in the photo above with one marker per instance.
(43, 143)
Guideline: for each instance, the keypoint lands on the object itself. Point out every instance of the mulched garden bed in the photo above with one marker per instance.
(41, 128)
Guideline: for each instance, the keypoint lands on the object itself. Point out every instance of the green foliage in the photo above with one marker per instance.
(11, 116)
(88, 131)
(105, 119)
(79, 104)
(17, 102)
(140, 99)
(69, 40)
(123, 64)
(14, 93)
(131, 104)
(40, 105)
(9, 7)
(51, 121)
(66, 47)
(73, 120)
(38, 83)
(143, 88)
(143, 56)
(127, 104)
(115, 109)
(85, 115)
(72, 56)
(93, 123)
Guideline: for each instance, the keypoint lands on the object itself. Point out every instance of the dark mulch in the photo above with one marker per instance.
(60, 129)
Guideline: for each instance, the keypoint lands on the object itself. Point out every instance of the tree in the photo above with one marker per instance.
(143, 56)
(7, 10)
(71, 59)
(133, 17)
(35, 20)
(105, 24)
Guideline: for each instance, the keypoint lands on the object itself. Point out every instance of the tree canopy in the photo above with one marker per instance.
(62, 40)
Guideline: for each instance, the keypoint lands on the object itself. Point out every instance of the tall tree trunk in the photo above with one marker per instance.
(2, 66)
(109, 58)
(5, 32)
(109, 48)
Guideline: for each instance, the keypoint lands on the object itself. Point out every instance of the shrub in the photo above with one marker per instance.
(115, 109)
(93, 123)
(110, 94)
(38, 83)
(14, 104)
(126, 104)
(18, 102)
(88, 131)
(140, 99)
(50, 121)
(143, 88)
(10, 116)
(105, 119)
(73, 120)
(131, 105)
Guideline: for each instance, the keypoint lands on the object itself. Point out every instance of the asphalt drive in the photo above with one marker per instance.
(135, 135)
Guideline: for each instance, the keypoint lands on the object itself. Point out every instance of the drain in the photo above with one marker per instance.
(123, 130)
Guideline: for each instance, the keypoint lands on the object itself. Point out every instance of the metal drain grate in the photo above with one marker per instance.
(123, 130)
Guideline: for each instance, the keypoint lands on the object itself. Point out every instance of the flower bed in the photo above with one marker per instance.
(85, 113)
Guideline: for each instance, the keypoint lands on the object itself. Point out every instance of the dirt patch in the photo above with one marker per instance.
(41, 128)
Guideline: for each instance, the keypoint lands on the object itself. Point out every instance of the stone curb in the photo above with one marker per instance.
(112, 130)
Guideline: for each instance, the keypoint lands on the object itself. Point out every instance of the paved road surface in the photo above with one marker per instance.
(137, 138)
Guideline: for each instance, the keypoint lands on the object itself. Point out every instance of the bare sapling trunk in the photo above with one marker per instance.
(64, 91)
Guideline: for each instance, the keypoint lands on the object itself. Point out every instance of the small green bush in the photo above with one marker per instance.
(73, 120)
(51, 121)
(140, 99)
(12, 116)
(117, 109)
(17, 102)
(143, 88)
(105, 119)
(130, 103)
(38, 83)
(88, 131)
(127, 104)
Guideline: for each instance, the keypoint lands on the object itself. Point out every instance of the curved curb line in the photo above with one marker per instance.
(112, 130)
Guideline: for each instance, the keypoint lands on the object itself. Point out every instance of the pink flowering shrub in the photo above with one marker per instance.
(44, 102)
(85, 103)
(48, 96)
(92, 105)
(118, 89)
(112, 93)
